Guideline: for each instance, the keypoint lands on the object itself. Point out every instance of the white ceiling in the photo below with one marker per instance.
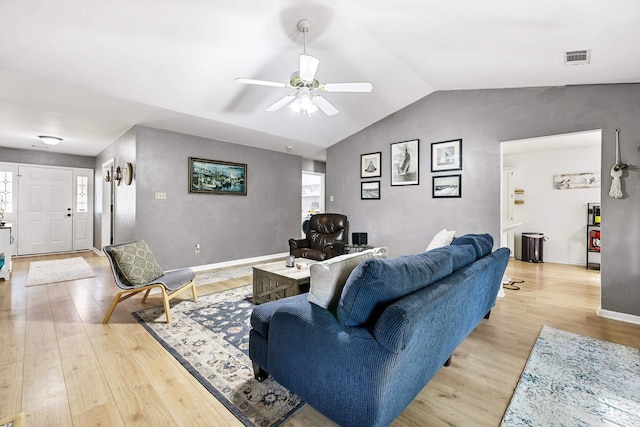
(88, 70)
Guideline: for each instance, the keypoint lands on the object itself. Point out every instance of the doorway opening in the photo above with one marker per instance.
(530, 203)
(312, 196)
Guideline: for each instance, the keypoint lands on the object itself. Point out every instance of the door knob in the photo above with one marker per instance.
(69, 214)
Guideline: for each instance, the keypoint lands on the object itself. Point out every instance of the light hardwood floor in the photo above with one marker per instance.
(63, 367)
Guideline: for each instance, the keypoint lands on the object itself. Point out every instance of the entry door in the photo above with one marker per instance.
(44, 210)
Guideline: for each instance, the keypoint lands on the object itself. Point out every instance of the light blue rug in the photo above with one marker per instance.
(573, 380)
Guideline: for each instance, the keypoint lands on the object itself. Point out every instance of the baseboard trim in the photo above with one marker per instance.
(237, 262)
(615, 315)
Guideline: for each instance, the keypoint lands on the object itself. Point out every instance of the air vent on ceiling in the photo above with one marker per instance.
(577, 57)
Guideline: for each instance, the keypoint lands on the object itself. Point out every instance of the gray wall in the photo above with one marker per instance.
(226, 227)
(46, 158)
(406, 218)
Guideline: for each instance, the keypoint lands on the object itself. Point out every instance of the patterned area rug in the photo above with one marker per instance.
(573, 380)
(58, 270)
(210, 338)
(213, 276)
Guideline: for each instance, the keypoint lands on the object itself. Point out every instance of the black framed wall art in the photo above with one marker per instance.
(447, 186)
(370, 190)
(446, 155)
(370, 165)
(405, 163)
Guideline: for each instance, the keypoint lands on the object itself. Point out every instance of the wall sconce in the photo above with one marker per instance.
(117, 175)
(107, 176)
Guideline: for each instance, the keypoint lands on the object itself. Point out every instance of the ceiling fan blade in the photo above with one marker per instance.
(348, 87)
(260, 82)
(308, 67)
(281, 102)
(325, 106)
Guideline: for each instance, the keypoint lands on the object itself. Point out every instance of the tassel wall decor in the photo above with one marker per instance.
(616, 171)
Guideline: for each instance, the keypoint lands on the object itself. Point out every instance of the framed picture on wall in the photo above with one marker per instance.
(405, 162)
(447, 186)
(370, 165)
(370, 190)
(446, 155)
(217, 177)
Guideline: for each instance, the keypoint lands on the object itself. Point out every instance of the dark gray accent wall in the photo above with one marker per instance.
(226, 227)
(406, 218)
(46, 158)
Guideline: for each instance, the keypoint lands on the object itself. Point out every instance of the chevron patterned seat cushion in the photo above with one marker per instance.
(136, 263)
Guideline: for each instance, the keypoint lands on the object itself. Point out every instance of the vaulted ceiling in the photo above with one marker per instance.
(88, 70)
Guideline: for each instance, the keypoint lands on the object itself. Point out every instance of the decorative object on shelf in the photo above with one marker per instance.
(370, 165)
(447, 186)
(405, 162)
(306, 98)
(576, 180)
(117, 175)
(217, 177)
(127, 173)
(370, 190)
(446, 155)
(616, 171)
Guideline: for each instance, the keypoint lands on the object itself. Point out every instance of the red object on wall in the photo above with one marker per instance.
(594, 240)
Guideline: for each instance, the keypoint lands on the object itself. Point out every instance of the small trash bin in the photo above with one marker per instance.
(532, 244)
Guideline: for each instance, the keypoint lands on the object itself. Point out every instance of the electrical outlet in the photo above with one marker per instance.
(197, 248)
(160, 196)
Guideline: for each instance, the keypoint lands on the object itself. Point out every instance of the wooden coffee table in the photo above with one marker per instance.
(274, 280)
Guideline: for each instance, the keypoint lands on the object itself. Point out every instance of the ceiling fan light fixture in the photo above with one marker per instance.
(306, 99)
(303, 104)
(50, 140)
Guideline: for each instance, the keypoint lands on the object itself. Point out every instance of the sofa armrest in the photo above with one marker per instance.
(298, 243)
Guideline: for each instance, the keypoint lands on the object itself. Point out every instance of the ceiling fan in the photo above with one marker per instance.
(307, 99)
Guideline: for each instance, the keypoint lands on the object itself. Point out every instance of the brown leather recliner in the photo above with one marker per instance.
(326, 237)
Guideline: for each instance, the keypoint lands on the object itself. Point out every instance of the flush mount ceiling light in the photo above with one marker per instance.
(306, 98)
(50, 140)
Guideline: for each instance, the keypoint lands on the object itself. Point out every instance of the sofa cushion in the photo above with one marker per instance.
(136, 263)
(327, 278)
(375, 283)
(482, 243)
(443, 238)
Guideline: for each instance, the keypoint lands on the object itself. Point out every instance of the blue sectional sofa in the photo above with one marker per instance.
(398, 320)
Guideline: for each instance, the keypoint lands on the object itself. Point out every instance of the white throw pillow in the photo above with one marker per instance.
(443, 238)
(327, 278)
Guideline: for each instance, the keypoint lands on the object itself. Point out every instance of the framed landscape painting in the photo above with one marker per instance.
(370, 190)
(217, 177)
(446, 155)
(447, 186)
(405, 162)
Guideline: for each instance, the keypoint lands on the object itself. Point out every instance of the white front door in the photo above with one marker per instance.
(44, 210)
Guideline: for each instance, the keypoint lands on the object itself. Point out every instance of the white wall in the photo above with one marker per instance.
(559, 214)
